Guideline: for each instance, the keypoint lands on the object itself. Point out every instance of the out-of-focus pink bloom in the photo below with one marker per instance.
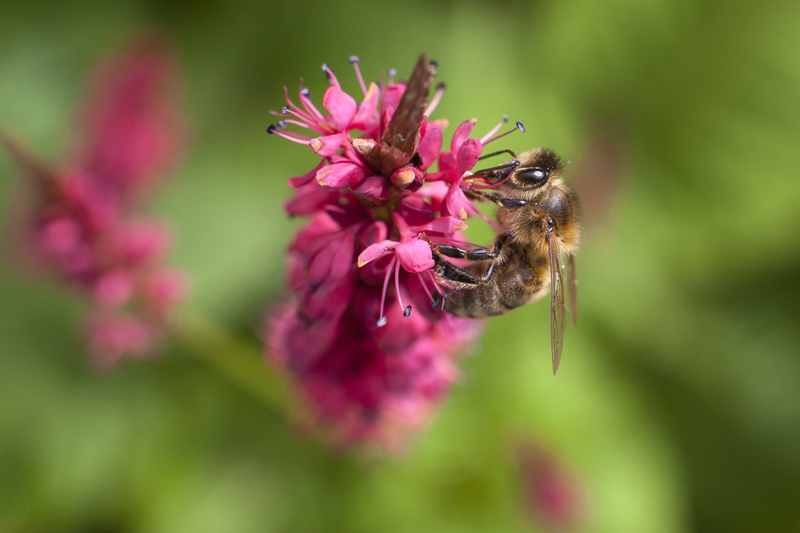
(79, 223)
(360, 335)
(133, 127)
(553, 495)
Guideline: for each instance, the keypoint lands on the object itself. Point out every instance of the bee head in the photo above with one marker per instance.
(535, 169)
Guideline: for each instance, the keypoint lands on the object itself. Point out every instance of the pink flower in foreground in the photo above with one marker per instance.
(80, 223)
(360, 336)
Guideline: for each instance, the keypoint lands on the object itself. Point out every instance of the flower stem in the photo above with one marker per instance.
(233, 358)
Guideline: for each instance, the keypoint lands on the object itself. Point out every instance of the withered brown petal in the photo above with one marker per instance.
(402, 136)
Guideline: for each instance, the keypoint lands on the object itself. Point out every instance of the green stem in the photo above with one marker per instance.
(243, 365)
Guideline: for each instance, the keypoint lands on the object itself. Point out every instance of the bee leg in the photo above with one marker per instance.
(478, 254)
(450, 275)
(497, 199)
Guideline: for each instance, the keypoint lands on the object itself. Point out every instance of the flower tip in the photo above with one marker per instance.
(362, 146)
(404, 178)
(382, 322)
(521, 127)
(407, 311)
(315, 144)
(353, 59)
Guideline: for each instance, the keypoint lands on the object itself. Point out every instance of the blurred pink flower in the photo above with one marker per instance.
(553, 496)
(80, 223)
(370, 369)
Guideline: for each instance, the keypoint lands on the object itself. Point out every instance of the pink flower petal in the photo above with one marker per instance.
(375, 251)
(445, 225)
(366, 111)
(376, 189)
(430, 145)
(468, 155)
(462, 132)
(391, 97)
(415, 255)
(340, 175)
(328, 145)
(308, 177)
(341, 106)
(455, 202)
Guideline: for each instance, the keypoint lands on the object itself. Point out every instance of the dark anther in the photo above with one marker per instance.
(281, 124)
(382, 322)
(416, 160)
(285, 110)
(505, 118)
(521, 127)
(271, 129)
(441, 87)
(353, 59)
(407, 312)
(305, 92)
(325, 67)
(392, 72)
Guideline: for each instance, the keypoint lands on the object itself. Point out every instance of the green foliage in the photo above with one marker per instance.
(677, 399)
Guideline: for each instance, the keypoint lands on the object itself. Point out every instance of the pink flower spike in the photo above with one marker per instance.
(341, 106)
(113, 288)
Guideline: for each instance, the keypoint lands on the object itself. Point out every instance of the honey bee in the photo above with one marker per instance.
(540, 218)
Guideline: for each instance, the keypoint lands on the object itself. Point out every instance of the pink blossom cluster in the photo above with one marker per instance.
(361, 336)
(82, 223)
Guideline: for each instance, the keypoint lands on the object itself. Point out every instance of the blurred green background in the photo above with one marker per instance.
(678, 399)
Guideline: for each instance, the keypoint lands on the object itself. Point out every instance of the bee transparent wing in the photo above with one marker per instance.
(572, 287)
(557, 311)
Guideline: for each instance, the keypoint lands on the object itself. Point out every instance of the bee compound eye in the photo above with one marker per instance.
(536, 176)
